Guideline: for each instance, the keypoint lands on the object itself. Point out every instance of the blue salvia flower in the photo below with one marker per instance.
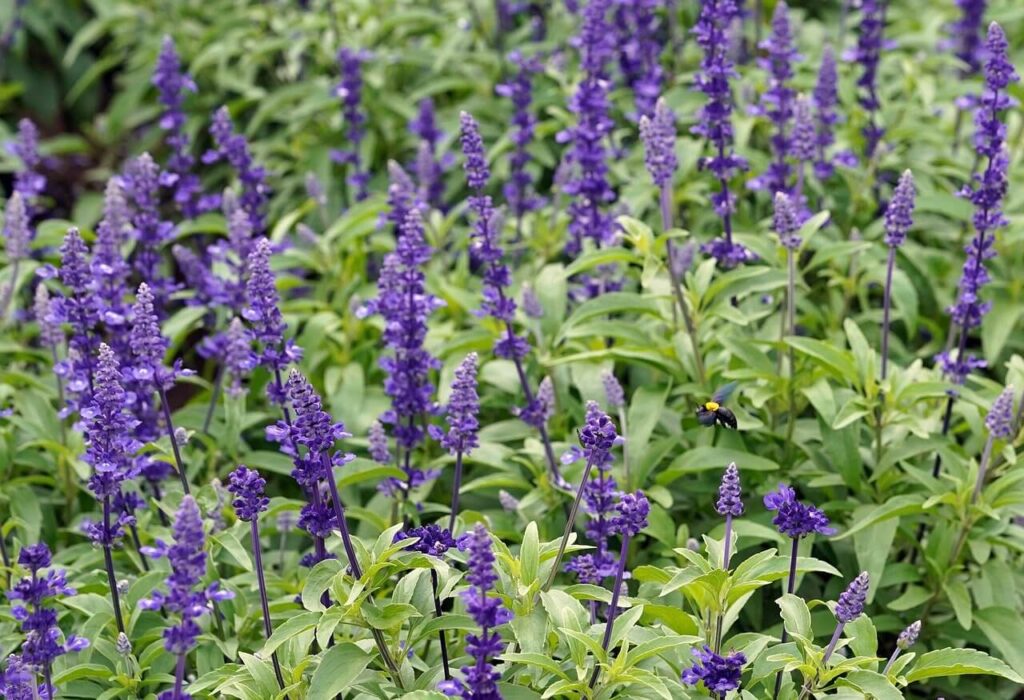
(17, 232)
(999, 420)
(480, 680)
(28, 181)
(430, 167)
(405, 305)
(793, 518)
(403, 197)
(431, 539)
(350, 91)
(18, 680)
(730, 500)
(172, 83)
(184, 598)
(78, 310)
(141, 181)
(719, 674)
(803, 147)
(233, 148)
(463, 408)
(639, 45)
(715, 120)
(109, 269)
(785, 222)
(239, 359)
(826, 99)
(966, 36)
(43, 638)
(149, 345)
(777, 100)
(848, 608)
(109, 428)
(206, 287)
(263, 313)
(658, 133)
(51, 335)
(378, 440)
(518, 189)
(870, 42)
(898, 220)
(906, 639)
(589, 187)
(613, 392)
(987, 195)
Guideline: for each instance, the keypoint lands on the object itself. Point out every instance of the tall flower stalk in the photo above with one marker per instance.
(907, 638)
(868, 53)
(486, 246)
(433, 541)
(729, 505)
(172, 83)
(232, 147)
(463, 425)
(17, 236)
(350, 91)
(777, 100)
(247, 485)
(786, 224)
(519, 190)
(715, 121)
(898, 220)
(965, 37)
(848, 608)
(630, 519)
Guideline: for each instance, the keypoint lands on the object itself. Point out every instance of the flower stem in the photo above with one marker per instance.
(174, 442)
(677, 286)
(986, 457)
(6, 559)
(891, 661)
(456, 488)
(824, 659)
(214, 397)
(568, 527)
(440, 633)
(614, 607)
(790, 588)
(886, 305)
(108, 560)
(268, 629)
(179, 676)
(726, 556)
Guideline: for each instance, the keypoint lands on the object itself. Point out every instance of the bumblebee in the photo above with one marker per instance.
(713, 411)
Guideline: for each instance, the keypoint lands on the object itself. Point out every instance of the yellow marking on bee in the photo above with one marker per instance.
(711, 406)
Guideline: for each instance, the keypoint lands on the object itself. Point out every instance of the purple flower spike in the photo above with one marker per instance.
(639, 43)
(785, 223)
(777, 101)
(631, 514)
(18, 680)
(108, 428)
(999, 420)
(613, 392)
(263, 313)
(870, 42)
(247, 485)
(350, 91)
(109, 269)
(718, 674)
(803, 141)
(597, 435)
(480, 680)
(658, 134)
(28, 181)
(148, 343)
(430, 168)
(17, 234)
(851, 601)
(463, 408)
(518, 190)
(965, 34)
(51, 335)
(730, 499)
(433, 539)
(379, 443)
(172, 83)
(826, 97)
(715, 125)
(908, 637)
(793, 518)
(899, 213)
(233, 148)
(141, 181)
(239, 359)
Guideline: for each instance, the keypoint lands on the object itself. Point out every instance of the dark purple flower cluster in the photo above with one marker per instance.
(350, 91)
(639, 45)
(432, 539)
(109, 428)
(658, 133)
(480, 680)
(149, 345)
(597, 437)
(826, 99)
(718, 674)
(518, 189)
(899, 213)
(239, 359)
(715, 120)
(172, 83)
(18, 681)
(188, 566)
(141, 180)
(110, 271)
(588, 185)
(233, 148)
(730, 498)
(463, 407)
(28, 181)
(631, 514)
(851, 601)
(785, 222)
(43, 641)
(51, 335)
(265, 317)
(247, 485)
(965, 34)
(793, 518)
(76, 308)
(870, 42)
(999, 420)
(430, 167)
(777, 100)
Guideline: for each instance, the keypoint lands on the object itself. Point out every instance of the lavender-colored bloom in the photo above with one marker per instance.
(803, 139)
(596, 438)
(908, 637)
(379, 443)
(233, 148)
(999, 420)
(109, 269)
(777, 100)
(51, 335)
(78, 310)
(239, 359)
(531, 304)
(350, 91)
(613, 392)
(868, 52)
(206, 288)
(826, 97)
(463, 408)
(518, 189)
(43, 642)
(28, 181)
(429, 167)
(546, 398)
(247, 485)
(658, 133)
(716, 68)
(424, 124)
(17, 234)
(313, 427)
(965, 35)
(509, 503)
(149, 344)
(588, 185)
(433, 539)
(851, 601)
(718, 674)
(109, 429)
(730, 499)
(188, 565)
(785, 223)
(18, 681)
(639, 45)
(141, 181)
(172, 83)
(899, 213)
(263, 314)
(793, 518)
(403, 197)
(631, 514)
(479, 681)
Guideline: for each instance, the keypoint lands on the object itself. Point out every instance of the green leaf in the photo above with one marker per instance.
(873, 685)
(529, 555)
(838, 362)
(292, 627)
(960, 599)
(339, 667)
(795, 615)
(232, 546)
(1003, 627)
(611, 303)
(893, 508)
(959, 662)
(717, 458)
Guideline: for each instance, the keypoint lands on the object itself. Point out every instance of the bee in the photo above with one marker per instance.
(713, 411)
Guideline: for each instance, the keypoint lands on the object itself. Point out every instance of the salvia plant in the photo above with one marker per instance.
(589, 350)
